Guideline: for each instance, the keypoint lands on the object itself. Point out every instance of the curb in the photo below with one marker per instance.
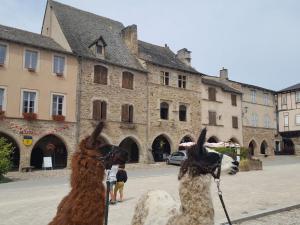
(259, 215)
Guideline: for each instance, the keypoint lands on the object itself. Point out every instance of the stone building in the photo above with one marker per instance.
(37, 98)
(288, 101)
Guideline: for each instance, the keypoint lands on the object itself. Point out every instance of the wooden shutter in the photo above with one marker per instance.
(103, 75)
(235, 122)
(103, 110)
(212, 118)
(212, 94)
(97, 74)
(130, 114)
(125, 113)
(233, 100)
(97, 110)
(127, 80)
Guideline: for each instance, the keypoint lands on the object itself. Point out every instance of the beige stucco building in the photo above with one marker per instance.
(37, 80)
(289, 119)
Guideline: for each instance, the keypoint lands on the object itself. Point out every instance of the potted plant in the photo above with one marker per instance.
(59, 118)
(2, 115)
(30, 116)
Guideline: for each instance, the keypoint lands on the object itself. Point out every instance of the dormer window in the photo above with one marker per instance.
(98, 47)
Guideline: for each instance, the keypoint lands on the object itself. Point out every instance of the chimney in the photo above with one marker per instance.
(184, 56)
(223, 74)
(129, 35)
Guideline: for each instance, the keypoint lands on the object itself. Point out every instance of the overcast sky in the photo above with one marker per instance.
(257, 40)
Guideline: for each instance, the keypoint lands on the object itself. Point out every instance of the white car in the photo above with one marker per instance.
(176, 157)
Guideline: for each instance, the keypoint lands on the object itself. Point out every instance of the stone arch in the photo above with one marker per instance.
(15, 156)
(252, 147)
(50, 146)
(264, 148)
(161, 147)
(234, 140)
(213, 139)
(133, 147)
(288, 146)
(187, 138)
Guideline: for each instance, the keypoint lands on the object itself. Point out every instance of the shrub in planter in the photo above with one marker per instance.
(30, 116)
(6, 150)
(2, 115)
(59, 118)
(245, 165)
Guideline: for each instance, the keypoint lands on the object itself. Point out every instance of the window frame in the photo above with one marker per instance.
(165, 76)
(267, 121)
(182, 81)
(127, 113)
(4, 100)
(284, 96)
(297, 96)
(234, 100)
(64, 106)
(266, 98)
(254, 120)
(161, 112)
(131, 82)
(210, 123)
(103, 114)
(5, 63)
(36, 102)
(186, 113)
(286, 120)
(64, 73)
(235, 122)
(253, 96)
(100, 78)
(37, 59)
(297, 117)
(212, 98)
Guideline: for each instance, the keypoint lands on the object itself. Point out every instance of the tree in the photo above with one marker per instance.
(6, 150)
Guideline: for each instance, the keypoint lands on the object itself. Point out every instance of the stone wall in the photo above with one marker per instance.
(38, 129)
(259, 135)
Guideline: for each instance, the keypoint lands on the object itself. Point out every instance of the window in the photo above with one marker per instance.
(164, 111)
(127, 80)
(29, 99)
(267, 121)
(99, 49)
(254, 120)
(235, 122)
(253, 96)
(181, 81)
(286, 120)
(233, 100)
(212, 118)
(99, 110)
(266, 99)
(127, 113)
(283, 99)
(297, 96)
(164, 78)
(212, 94)
(100, 75)
(31, 58)
(58, 65)
(298, 119)
(57, 105)
(2, 54)
(2, 93)
(182, 113)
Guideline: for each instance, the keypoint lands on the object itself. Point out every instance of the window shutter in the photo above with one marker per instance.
(103, 75)
(97, 110)
(233, 100)
(235, 122)
(212, 117)
(103, 110)
(130, 114)
(125, 113)
(212, 94)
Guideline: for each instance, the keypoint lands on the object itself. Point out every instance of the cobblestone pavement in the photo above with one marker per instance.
(34, 202)
(291, 217)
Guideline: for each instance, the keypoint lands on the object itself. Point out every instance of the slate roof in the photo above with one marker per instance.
(221, 85)
(28, 38)
(291, 88)
(162, 56)
(82, 28)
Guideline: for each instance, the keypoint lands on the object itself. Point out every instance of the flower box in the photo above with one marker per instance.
(59, 118)
(30, 116)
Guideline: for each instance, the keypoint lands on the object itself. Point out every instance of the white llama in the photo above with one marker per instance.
(196, 208)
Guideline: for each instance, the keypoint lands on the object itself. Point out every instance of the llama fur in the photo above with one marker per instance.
(195, 207)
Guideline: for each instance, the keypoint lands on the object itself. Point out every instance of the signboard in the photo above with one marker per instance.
(47, 162)
(27, 140)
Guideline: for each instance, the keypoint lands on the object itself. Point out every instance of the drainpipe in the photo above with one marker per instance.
(78, 99)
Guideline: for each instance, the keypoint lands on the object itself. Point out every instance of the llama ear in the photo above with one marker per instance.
(201, 141)
(93, 138)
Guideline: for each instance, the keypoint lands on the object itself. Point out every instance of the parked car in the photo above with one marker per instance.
(176, 157)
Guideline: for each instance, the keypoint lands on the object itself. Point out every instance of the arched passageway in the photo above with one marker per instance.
(234, 140)
(252, 147)
(288, 146)
(49, 146)
(132, 148)
(186, 139)
(212, 139)
(161, 148)
(264, 148)
(15, 156)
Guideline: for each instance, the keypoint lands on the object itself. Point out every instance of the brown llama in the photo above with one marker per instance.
(196, 208)
(85, 203)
